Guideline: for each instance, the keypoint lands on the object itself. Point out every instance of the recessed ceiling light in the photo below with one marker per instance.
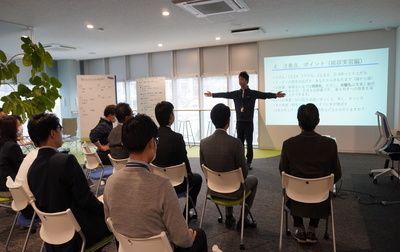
(160, 45)
(89, 26)
(165, 13)
(217, 38)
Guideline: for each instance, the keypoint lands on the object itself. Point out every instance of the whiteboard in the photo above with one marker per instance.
(95, 92)
(150, 91)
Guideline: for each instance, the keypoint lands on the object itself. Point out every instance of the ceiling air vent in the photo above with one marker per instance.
(247, 30)
(58, 47)
(204, 8)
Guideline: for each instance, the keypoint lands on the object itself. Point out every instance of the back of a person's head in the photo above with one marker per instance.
(8, 128)
(244, 75)
(308, 116)
(137, 132)
(41, 125)
(163, 110)
(109, 110)
(220, 115)
(122, 111)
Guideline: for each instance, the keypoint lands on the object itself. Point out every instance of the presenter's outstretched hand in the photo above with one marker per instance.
(280, 94)
(208, 94)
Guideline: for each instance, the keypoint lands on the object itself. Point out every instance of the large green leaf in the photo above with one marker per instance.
(3, 57)
(13, 68)
(55, 82)
(23, 90)
(36, 61)
(27, 60)
(48, 59)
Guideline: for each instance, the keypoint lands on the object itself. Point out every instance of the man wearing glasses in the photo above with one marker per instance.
(156, 207)
(58, 183)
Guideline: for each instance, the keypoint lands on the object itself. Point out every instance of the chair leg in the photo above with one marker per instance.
(202, 211)
(191, 131)
(11, 231)
(187, 207)
(29, 232)
(333, 228)
(242, 227)
(98, 185)
(280, 233)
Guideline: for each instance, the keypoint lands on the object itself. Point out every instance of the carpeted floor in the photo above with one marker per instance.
(362, 223)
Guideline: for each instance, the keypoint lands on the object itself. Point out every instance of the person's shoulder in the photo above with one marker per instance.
(9, 143)
(168, 132)
(63, 158)
(328, 139)
(292, 139)
(157, 179)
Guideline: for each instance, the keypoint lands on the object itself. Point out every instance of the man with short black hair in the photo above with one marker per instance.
(99, 134)
(171, 150)
(309, 155)
(58, 183)
(117, 150)
(221, 152)
(155, 206)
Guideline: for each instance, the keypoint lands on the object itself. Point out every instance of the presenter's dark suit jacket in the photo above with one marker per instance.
(58, 183)
(221, 152)
(171, 150)
(310, 155)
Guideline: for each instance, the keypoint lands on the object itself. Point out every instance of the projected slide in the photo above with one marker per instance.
(347, 87)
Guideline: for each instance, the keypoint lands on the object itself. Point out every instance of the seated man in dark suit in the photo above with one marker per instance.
(309, 155)
(117, 151)
(58, 183)
(221, 152)
(171, 150)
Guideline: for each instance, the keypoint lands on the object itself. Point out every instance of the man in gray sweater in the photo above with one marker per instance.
(142, 204)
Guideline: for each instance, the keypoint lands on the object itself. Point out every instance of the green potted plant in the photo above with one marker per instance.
(25, 101)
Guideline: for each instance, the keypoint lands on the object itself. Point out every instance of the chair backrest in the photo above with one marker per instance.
(70, 126)
(223, 182)
(118, 164)
(176, 174)
(58, 228)
(157, 243)
(92, 159)
(307, 190)
(20, 197)
(385, 134)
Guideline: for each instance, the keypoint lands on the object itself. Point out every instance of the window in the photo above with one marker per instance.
(186, 103)
(192, 120)
(213, 84)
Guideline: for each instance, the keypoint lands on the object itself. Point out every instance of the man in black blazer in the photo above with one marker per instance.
(171, 150)
(58, 183)
(309, 155)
